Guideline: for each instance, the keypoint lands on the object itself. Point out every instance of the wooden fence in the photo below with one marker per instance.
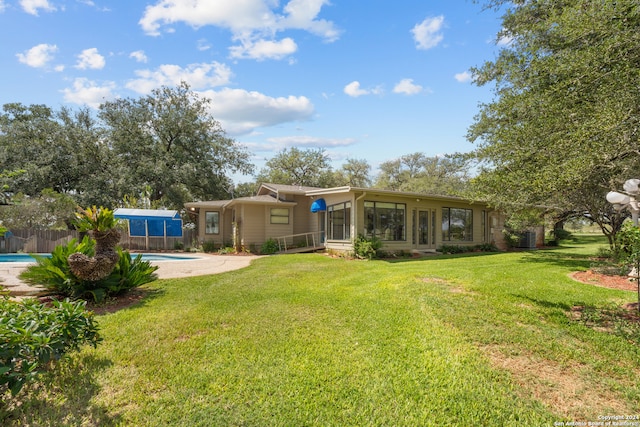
(44, 241)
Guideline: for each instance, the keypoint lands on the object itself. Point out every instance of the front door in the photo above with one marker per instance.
(423, 237)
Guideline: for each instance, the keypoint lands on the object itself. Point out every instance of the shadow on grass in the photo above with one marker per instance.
(63, 397)
(439, 256)
(134, 298)
(558, 257)
(547, 304)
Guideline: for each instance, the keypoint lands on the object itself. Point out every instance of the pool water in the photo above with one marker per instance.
(145, 256)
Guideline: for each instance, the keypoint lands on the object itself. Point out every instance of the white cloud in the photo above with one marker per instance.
(32, 6)
(301, 14)
(241, 111)
(505, 40)
(3, 6)
(407, 87)
(463, 77)
(87, 92)
(354, 90)
(253, 23)
(264, 49)
(311, 141)
(91, 3)
(427, 33)
(203, 45)
(139, 56)
(38, 56)
(90, 59)
(198, 76)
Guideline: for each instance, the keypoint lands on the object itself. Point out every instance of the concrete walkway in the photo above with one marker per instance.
(200, 265)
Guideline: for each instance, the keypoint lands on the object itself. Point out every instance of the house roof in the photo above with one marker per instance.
(289, 189)
(207, 204)
(347, 189)
(270, 199)
(263, 199)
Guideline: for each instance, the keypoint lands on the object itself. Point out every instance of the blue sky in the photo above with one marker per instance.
(369, 80)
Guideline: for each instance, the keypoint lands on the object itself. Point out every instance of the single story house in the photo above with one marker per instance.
(333, 217)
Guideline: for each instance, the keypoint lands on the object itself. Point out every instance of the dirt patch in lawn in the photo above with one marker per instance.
(113, 304)
(562, 388)
(126, 300)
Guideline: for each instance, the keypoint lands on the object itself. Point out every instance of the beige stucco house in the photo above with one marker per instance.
(332, 217)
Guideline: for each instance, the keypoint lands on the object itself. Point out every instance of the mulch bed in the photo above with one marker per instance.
(590, 277)
(114, 304)
(111, 305)
(624, 283)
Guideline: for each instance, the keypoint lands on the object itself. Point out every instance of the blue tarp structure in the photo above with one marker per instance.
(318, 205)
(151, 222)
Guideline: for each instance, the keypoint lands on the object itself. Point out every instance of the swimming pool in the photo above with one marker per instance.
(145, 256)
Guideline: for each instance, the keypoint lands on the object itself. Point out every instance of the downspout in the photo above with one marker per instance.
(355, 212)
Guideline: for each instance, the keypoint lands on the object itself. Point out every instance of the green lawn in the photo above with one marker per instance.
(308, 340)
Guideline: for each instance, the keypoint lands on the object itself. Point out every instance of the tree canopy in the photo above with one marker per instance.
(293, 166)
(169, 141)
(565, 118)
(311, 167)
(165, 146)
(416, 172)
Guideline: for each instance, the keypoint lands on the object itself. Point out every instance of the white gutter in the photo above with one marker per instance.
(355, 211)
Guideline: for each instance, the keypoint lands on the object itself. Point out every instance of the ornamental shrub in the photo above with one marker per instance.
(34, 336)
(364, 248)
(129, 273)
(55, 275)
(269, 247)
(208, 246)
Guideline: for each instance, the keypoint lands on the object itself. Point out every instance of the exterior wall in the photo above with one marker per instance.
(254, 221)
(333, 199)
(224, 236)
(496, 225)
(303, 219)
(277, 230)
(252, 225)
(227, 227)
(481, 230)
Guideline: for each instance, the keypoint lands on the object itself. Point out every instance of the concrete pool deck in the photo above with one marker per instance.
(202, 264)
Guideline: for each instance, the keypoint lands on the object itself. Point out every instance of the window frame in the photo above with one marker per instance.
(398, 226)
(345, 208)
(278, 217)
(216, 222)
(466, 230)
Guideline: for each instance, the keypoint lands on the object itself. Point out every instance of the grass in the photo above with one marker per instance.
(473, 339)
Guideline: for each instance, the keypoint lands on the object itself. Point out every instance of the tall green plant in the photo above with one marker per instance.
(96, 219)
(129, 273)
(55, 275)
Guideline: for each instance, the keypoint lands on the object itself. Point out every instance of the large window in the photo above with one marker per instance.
(457, 224)
(384, 220)
(212, 222)
(279, 216)
(339, 218)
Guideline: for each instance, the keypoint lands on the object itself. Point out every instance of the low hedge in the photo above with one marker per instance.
(33, 336)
